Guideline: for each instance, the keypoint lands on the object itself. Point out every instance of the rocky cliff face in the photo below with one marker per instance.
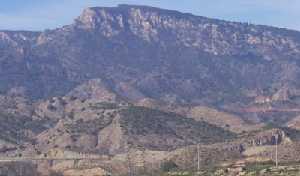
(221, 38)
(149, 52)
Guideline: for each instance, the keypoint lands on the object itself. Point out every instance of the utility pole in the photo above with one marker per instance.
(144, 161)
(185, 155)
(276, 153)
(19, 152)
(271, 155)
(198, 157)
(152, 168)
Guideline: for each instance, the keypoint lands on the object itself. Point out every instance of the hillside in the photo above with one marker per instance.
(112, 127)
(161, 54)
(122, 83)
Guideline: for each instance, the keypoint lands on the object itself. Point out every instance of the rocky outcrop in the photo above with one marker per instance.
(267, 138)
(112, 138)
(260, 139)
(148, 23)
(282, 95)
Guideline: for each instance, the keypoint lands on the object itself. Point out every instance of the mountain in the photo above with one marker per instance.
(150, 52)
(150, 80)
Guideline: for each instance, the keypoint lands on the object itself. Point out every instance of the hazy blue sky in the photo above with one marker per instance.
(45, 14)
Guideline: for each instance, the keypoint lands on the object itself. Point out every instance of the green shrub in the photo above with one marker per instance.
(168, 166)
